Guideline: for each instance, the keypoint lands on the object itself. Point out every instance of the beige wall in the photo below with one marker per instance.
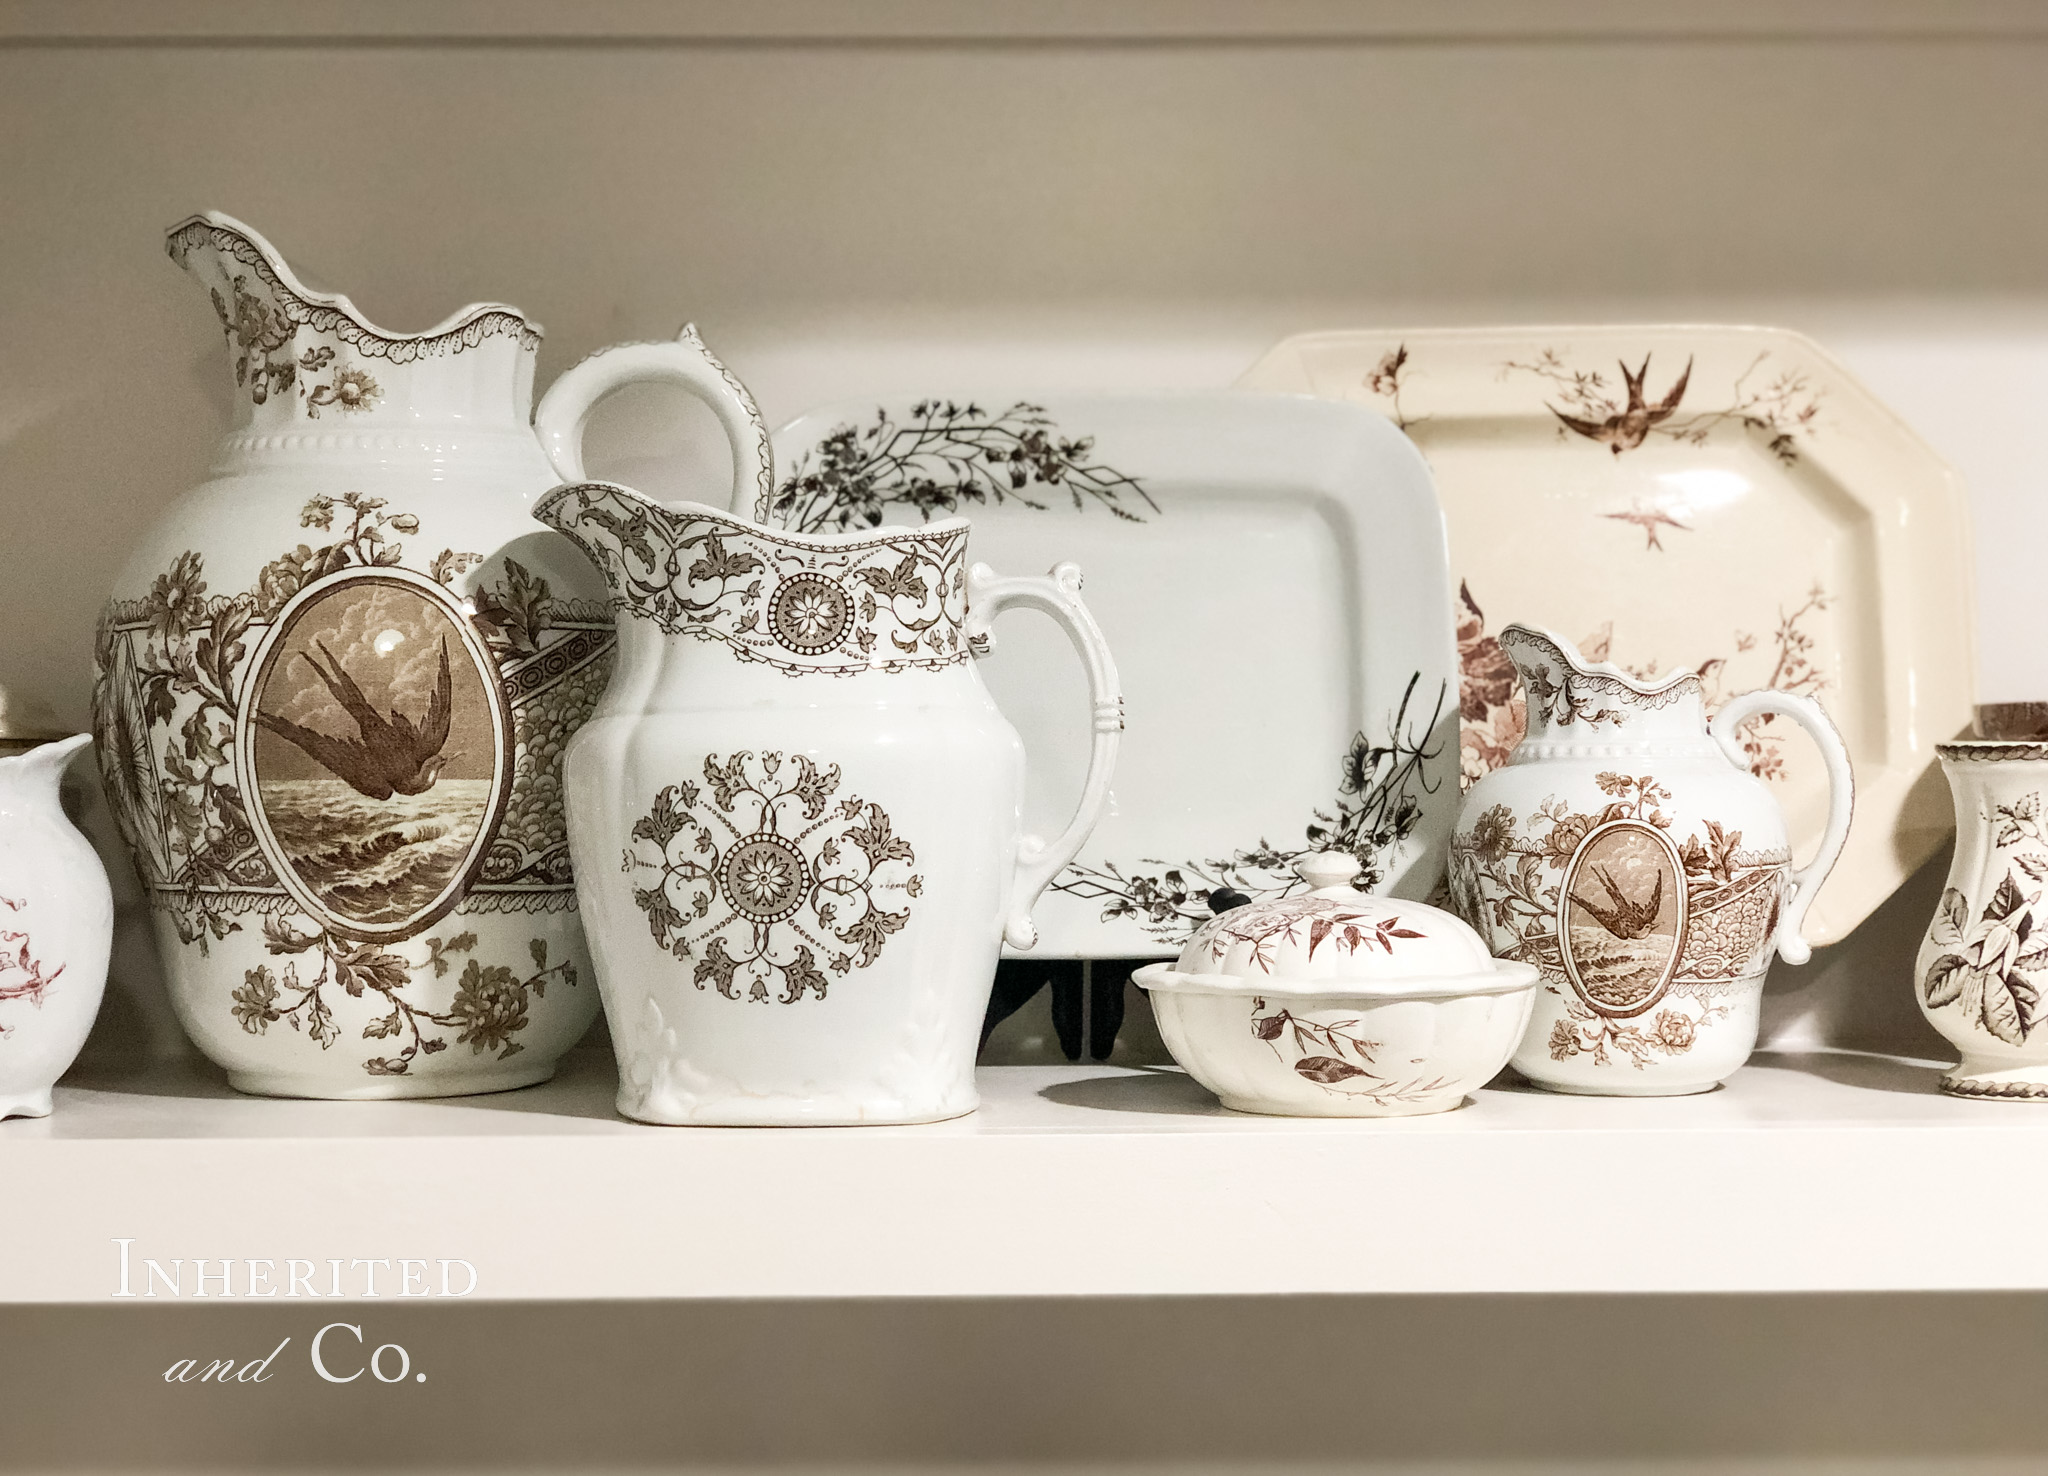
(846, 218)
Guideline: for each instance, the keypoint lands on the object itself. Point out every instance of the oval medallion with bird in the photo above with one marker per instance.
(1622, 917)
(376, 737)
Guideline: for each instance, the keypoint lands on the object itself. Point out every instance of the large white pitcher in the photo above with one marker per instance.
(795, 816)
(332, 688)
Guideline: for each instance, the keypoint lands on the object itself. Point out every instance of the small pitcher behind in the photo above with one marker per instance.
(1626, 850)
(56, 929)
(795, 816)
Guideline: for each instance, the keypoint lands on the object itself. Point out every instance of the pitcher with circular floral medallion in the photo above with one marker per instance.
(797, 813)
(333, 689)
(1626, 851)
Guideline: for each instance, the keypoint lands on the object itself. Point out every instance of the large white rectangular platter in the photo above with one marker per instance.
(1270, 575)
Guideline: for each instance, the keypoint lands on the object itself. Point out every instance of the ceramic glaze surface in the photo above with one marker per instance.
(1339, 1004)
(1225, 536)
(797, 814)
(1982, 964)
(1339, 1056)
(332, 693)
(1627, 852)
(56, 928)
(1334, 934)
(1725, 500)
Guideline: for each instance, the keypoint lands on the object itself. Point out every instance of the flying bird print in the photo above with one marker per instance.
(1627, 429)
(390, 755)
(1626, 918)
(1650, 519)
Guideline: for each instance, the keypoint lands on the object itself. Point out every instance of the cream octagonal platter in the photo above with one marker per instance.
(1270, 574)
(1727, 499)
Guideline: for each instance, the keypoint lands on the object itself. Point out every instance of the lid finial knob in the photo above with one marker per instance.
(1323, 870)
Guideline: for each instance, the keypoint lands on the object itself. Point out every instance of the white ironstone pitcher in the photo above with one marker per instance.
(333, 687)
(795, 815)
(1627, 851)
(56, 928)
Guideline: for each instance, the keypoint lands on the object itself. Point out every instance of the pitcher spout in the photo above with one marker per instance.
(299, 354)
(627, 534)
(887, 599)
(1566, 691)
(38, 772)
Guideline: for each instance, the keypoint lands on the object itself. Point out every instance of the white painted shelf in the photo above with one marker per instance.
(1834, 1171)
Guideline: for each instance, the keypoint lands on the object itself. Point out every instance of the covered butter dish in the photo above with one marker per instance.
(1333, 1003)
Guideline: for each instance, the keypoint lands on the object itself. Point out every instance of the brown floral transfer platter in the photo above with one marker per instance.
(1269, 573)
(1721, 498)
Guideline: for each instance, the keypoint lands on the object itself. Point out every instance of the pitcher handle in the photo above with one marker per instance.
(1058, 594)
(1792, 944)
(567, 405)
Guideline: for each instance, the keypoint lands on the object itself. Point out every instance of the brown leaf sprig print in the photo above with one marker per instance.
(1316, 920)
(488, 1010)
(1380, 790)
(1986, 970)
(2018, 822)
(1336, 1056)
(1671, 1032)
(1386, 379)
(943, 457)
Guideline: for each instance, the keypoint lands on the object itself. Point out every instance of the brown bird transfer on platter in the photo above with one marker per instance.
(1627, 427)
(1649, 519)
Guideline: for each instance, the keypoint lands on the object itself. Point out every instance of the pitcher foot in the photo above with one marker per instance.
(25, 1104)
(2003, 1084)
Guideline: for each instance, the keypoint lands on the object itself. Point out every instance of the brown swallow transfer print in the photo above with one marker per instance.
(1773, 401)
(1649, 519)
(1627, 428)
(391, 755)
(1624, 916)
